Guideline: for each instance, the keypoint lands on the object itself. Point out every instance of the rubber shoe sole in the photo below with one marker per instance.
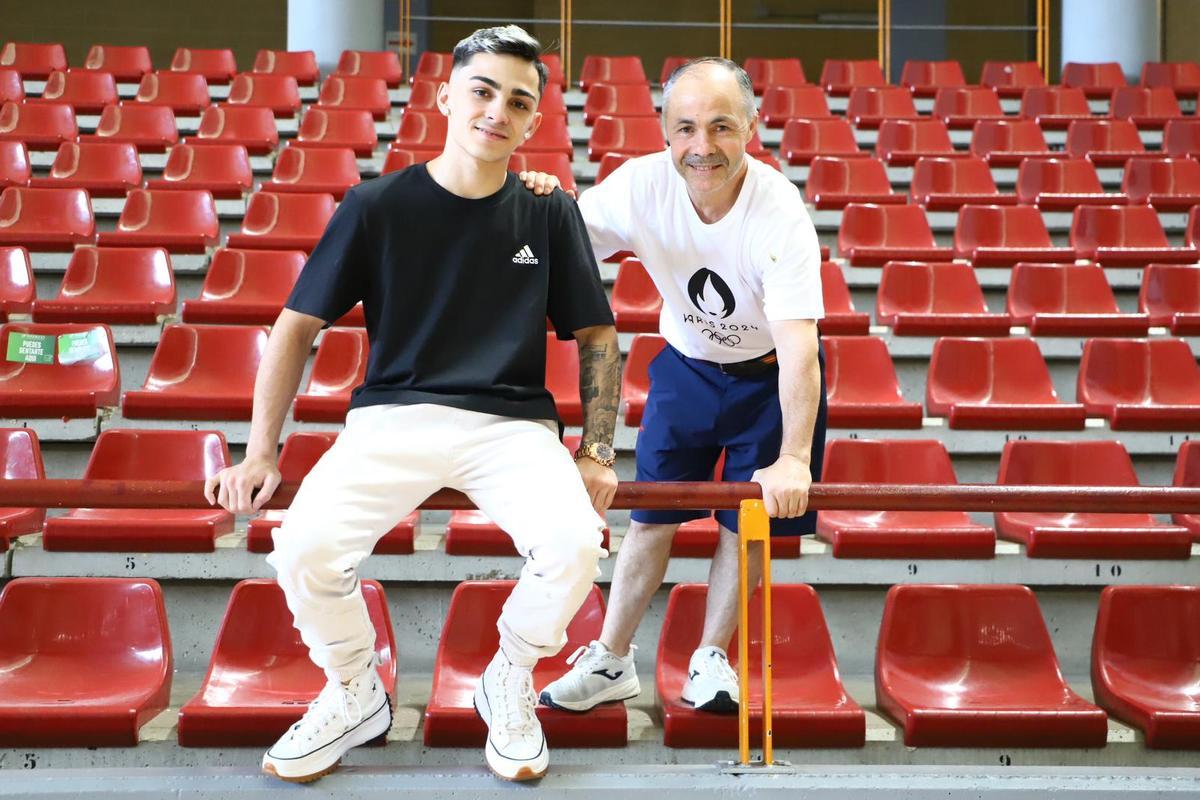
(501, 766)
(318, 763)
(720, 702)
(618, 693)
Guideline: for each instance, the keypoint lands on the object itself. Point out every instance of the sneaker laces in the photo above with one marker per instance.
(716, 664)
(334, 702)
(587, 656)
(514, 701)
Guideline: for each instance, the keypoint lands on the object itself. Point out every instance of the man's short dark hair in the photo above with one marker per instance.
(508, 40)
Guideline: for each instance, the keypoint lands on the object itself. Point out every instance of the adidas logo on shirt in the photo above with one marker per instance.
(525, 256)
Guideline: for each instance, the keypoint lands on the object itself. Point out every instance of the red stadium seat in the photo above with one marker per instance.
(252, 127)
(632, 136)
(298, 169)
(618, 100)
(87, 661)
(902, 141)
(557, 164)
(839, 77)
(1191, 236)
(12, 88)
(382, 64)
(280, 93)
(872, 234)
(973, 666)
(1054, 107)
(1004, 235)
(1187, 473)
(433, 67)
(608, 164)
(289, 221)
(1168, 184)
(1124, 236)
(635, 299)
(35, 61)
(398, 158)
(124, 63)
(898, 534)
(1081, 534)
(181, 220)
(50, 390)
(356, 94)
(423, 96)
(46, 219)
(996, 384)
(1096, 80)
(215, 65)
(123, 454)
(670, 64)
(469, 640)
(836, 182)
(1061, 184)
(1141, 384)
(841, 318)
(339, 366)
(1144, 656)
(1181, 76)
(421, 130)
(862, 387)
(115, 285)
(1011, 78)
(768, 72)
(245, 287)
(562, 378)
(104, 169)
(928, 78)
(86, 91)
(200, 372)
(1170, 294)
(1007, 143)
(1106, 142)
(1069, 300)
(332, 127)
(298, 64)
(920, 299)
(783, 103)
(554, 69)
(947, 184)
(300, 453)
(962, 107)
(1181, 138)
(552, 136)
(810, 707)
(223, 170)
(17, 287)
(41, 126)
(1147, 108)
(15, 169)
(611, 69)
(183, 92)
(870, 105)
(151, 129)
(635, 382)
(20, 458)
(805, 139)
(260, 676)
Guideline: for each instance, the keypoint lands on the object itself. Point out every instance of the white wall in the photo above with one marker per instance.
(328, 27)
(1125, 31)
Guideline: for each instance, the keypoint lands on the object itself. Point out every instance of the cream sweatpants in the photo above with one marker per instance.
(385, 463)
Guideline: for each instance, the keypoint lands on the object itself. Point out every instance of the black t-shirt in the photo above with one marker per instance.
(456, 292)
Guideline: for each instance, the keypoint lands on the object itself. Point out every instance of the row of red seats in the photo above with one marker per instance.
(260, 678)
(132, 454)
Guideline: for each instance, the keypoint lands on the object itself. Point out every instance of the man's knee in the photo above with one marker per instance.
(573, 556)
(307, 563)
(661, 533)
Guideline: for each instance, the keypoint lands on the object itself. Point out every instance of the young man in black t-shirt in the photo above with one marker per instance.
(457, 267)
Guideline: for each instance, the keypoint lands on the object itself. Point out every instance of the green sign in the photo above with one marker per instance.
(30, 348)
(84, 346)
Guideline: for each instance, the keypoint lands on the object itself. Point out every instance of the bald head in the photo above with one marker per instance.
(713, 75)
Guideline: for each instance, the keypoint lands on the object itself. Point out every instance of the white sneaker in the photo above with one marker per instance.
(341, 717)
(516, 747)
(712, 685)
(597, 676)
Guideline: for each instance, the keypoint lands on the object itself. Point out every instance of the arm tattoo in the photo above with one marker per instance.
(599, 389)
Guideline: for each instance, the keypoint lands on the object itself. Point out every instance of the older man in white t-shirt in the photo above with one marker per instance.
(729, 244)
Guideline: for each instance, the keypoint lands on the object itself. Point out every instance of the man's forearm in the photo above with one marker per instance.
(277, 380)
(799, 385)
(599, 382)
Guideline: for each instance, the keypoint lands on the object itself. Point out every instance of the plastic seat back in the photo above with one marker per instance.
(41, 126)
(618, 100)
(86, 91)
(1181, 76)
(1181, 138)
(870, 105)
(1060, 183)
(20, 458)
(12, 88)
(805, 139)
(783, 103)
(963, 106)
(1148, 108)
(382, 64)
(633, 136)
(1096, 227)
(767, 72)
(44, 387)
(1006, 143)
(253, 127)
(339, 366)
(220, 169)
(1187, 473)
(335, 127)
(181, 220)
(1054, 106)
(840, 76)
(298, 169)
(1059, 289)
(245, 287)
(115, 285)
(421, 130)
(280, 93)
(124, 63)
(635, 382)
(1153, 373)
(15, 169)
(17, 287)
(948, 183)
(366, 94)
(1168, 184)
(1096, 80)
(46, 219)
(927, 78)
(1170, 294)
(217, 65)
(611, 69)
(182, 92)
(1104, 141)
(557, 164)
(834, 182)
(34, 60)
(862, 386)
(298, 64)
(283, 221)
(149, 128)
(1011, 78)
(992, 371)
(104, 169)
(902, 142)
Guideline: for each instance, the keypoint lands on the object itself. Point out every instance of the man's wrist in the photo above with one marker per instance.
(805, 459)
(600, 452)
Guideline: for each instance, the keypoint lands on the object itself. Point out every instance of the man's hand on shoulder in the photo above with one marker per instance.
(542, 183)
(600, 482)
(785, 486)
(232, 487)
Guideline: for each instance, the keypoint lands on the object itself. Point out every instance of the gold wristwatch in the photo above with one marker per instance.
(602, 454)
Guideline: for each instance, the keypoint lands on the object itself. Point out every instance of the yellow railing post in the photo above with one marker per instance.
(754, 526)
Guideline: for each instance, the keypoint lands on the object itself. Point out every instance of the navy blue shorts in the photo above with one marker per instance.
(694, 411)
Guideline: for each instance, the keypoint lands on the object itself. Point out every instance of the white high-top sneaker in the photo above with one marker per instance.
(341, 717)
(597, 676)
(712, 685)
(516, 747)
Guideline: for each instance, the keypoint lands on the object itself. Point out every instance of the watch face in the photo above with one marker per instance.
(604, 452)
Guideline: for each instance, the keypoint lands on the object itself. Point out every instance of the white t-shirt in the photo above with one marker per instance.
(722, 284)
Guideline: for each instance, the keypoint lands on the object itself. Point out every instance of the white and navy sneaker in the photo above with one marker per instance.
(516, 747)
(712, 685)
(341, 717)
(597, 676)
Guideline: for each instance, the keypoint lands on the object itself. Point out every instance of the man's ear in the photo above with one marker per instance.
(443, 99)
(534, 125)
(751, 128)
